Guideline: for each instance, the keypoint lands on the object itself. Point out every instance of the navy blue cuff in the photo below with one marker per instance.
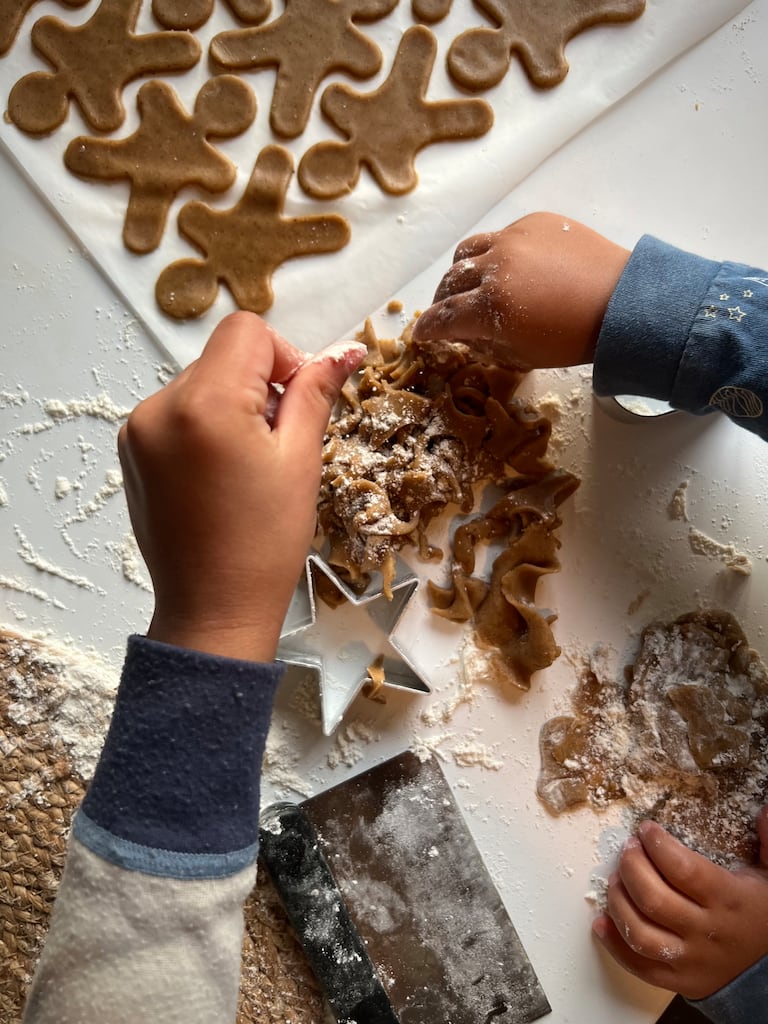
(181, 765)
(649, 320)
(743, 1001)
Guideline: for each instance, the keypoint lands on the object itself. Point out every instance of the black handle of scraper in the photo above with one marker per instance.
(315, 907)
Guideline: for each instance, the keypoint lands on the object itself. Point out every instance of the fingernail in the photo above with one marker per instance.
(632, 843)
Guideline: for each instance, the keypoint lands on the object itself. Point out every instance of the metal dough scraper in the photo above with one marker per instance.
(394, 906)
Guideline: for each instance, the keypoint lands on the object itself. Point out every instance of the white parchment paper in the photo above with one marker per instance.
(321, 298)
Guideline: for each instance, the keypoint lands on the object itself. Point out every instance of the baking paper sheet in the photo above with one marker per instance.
(393, 238)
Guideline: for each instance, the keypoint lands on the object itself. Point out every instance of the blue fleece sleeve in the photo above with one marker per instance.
(176, 790)
(744, 1001)
(689, 331)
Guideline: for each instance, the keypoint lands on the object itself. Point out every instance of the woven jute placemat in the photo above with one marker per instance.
(39, 792)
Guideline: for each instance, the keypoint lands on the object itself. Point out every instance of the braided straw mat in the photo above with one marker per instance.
(39, 791)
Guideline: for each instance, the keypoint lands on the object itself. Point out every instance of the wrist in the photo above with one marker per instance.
(248, 639)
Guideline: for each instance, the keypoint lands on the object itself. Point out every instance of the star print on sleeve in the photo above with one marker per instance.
(710, 313)
(747, 293)
(736, 313)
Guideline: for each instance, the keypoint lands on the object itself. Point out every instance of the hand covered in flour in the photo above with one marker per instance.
(531, 295)
(222, 481)
(679, 921)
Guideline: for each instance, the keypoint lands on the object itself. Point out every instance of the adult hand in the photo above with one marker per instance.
(679, 921)
(222, 483)
(531, 295)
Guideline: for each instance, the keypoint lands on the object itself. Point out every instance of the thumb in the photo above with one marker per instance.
(313, 390)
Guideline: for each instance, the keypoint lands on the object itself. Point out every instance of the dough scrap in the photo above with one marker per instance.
(12, 13)
(386, 128)
(244, 244)
(93, 62)
(684, 741)
(417, 431)
(306, 43)
(480, 57)
(168, 152)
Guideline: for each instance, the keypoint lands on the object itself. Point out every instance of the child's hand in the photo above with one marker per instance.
(532, 295)
(222, 497)
(679, 921)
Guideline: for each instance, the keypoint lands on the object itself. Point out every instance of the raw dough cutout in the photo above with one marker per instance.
(684, 741)
(386, 128)
(416, 432)
(430, 11)
(93, 62)
(480, 57)
(245, 244)
(306, 43)
(12, 14)
(192, 14)
(168, 152)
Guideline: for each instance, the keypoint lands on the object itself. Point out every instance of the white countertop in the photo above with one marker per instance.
(684, 157)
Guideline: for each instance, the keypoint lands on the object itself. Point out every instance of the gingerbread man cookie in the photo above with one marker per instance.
(386, 128)
(168, 151)
(480, 57)
(12, 14)
(306, 43)
(93, 62)
(245, 244)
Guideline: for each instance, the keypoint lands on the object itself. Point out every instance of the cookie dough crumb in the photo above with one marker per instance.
(702, 544)
(636, 602)
(678, 508)
(394, 306)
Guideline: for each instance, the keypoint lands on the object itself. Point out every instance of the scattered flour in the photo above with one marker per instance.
(350, 740)
(469, 753)
(101, 408)
(28, 555)
(113, 485)
(3, 495)
(281, 757)
(127, 551)
(11, 398)
(70, 690)
(444, 710)
(62, 487)
(14, 583)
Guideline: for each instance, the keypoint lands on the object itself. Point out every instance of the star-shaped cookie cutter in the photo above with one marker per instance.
(339, 645)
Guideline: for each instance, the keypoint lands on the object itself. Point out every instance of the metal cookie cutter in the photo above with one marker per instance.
(631, 409)
(339, 645)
